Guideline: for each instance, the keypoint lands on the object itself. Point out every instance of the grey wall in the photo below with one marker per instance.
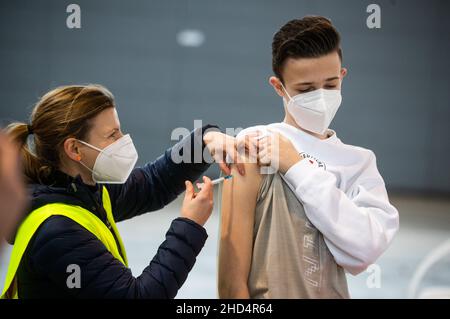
(396, 95)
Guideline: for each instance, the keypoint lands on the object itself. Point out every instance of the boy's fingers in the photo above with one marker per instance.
(264, 158)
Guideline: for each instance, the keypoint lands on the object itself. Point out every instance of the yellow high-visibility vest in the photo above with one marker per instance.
(79, 215)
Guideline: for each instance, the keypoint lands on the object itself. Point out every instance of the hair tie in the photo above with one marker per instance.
(30, 129)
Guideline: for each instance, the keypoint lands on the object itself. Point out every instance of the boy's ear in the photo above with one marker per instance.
(343, 72)
(276, 84)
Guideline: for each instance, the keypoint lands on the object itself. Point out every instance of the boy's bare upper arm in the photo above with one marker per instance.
(239, 197)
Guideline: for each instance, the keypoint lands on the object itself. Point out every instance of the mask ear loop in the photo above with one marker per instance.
(90, 170)
(91, 146)
(285, 91)
(79, 157)
(103, 150)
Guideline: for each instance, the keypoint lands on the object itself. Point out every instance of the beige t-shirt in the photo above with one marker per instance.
(290, 258)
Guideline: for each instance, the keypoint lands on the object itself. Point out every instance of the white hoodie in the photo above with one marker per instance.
(343, 194)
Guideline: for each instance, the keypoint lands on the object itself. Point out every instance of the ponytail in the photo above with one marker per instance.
(35, 169)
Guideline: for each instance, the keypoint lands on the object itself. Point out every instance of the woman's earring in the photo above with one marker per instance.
(78, 158)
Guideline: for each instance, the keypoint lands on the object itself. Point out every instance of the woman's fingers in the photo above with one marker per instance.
(221, 160)
(234, 154)
(207, 188)
(198, 206)
(224, 168)
(190, 193)
(239, 160)
(223, 147)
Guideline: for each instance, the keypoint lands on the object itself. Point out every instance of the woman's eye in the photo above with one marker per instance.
(330, 87)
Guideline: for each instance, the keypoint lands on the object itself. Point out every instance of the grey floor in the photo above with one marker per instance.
(425, 224)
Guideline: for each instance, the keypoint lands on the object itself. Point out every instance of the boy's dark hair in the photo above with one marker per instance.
(309, 37)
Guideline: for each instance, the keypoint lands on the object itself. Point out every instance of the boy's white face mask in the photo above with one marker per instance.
(115, 162)
(314, 111)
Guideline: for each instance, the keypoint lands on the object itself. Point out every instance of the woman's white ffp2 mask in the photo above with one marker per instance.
(115, 162)
(314, 111)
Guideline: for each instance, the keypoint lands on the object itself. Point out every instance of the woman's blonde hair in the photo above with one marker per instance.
(60, 114)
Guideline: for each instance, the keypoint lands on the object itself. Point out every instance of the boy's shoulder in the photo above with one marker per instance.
(334, 139)
(356, 148)
(263, 129)
(357, 153)
(256, 128)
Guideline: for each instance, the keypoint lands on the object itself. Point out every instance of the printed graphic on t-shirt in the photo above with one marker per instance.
(313, 161)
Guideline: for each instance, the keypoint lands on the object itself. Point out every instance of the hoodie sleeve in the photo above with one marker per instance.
(358, 225)
(61, 242)
(159, 182)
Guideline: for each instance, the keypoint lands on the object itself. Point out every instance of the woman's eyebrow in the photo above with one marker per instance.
(111, 131)
(332, 78)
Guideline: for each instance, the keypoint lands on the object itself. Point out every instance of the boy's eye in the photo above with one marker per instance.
(330, 87)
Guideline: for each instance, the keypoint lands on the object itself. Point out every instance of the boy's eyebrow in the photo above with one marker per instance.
(326, 80)
(304, 83)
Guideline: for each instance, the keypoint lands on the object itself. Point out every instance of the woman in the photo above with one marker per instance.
(82, 181)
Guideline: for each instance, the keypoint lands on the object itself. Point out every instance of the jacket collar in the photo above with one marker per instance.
(67, 190)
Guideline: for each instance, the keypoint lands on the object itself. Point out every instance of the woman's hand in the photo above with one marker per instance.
(277, 151)
(198, 206)
(219, 145)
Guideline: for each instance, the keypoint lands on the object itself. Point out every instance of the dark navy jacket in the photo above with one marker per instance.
(60, 242)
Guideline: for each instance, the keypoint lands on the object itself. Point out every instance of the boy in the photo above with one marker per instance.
(296, 241)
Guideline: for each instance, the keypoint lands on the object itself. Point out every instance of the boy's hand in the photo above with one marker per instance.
(277, 151)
